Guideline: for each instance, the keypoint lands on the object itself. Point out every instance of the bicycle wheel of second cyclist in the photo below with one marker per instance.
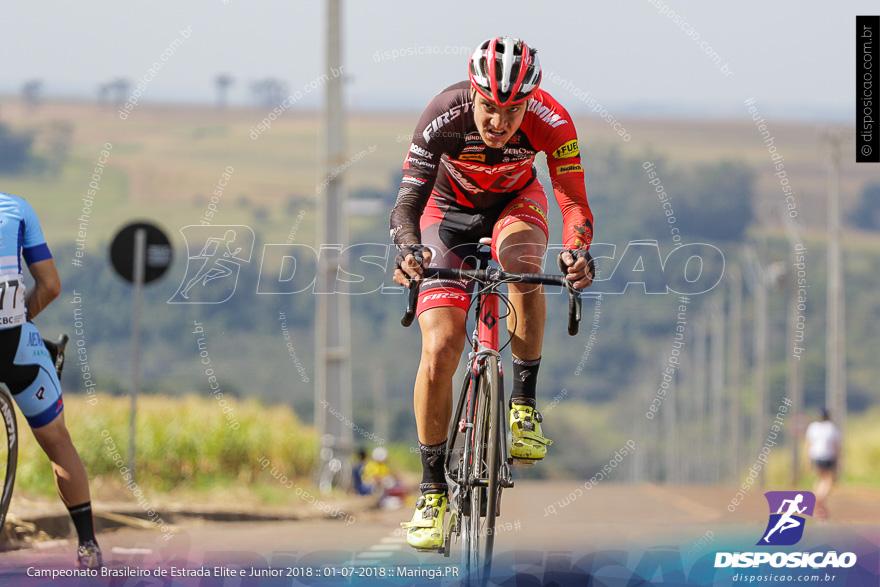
(486, 464)
(8, 452)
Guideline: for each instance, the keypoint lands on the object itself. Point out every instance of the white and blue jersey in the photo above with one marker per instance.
(25, 365)
(20, 236)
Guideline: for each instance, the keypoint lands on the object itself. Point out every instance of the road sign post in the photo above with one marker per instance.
(140, 254)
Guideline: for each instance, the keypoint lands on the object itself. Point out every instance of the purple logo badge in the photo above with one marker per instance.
(787, 511)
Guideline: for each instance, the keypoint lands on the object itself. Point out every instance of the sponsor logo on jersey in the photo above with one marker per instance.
(539, 211)
(474, 138)
(417, 150)
(443, 120)
(518, 152)
(472, 157)
(413, 180)
(569, 149)
(472, 148)
(546, 114)
(419, 162)
(446, 296)
(572, 168)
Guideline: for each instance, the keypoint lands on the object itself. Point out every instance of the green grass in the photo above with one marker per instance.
(182, 443)
(186, 452)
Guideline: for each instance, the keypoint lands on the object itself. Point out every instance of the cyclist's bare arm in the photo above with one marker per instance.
(47, 287)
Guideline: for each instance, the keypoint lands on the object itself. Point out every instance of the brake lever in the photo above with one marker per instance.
(575, 304)
(412, 299)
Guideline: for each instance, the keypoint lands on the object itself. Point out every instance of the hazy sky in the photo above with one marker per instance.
(795, 57)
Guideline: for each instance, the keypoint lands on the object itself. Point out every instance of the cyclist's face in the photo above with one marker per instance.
(497, 124)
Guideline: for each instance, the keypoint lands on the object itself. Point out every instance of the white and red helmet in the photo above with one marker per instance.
(505, 70)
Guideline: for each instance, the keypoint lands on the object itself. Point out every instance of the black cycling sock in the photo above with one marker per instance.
(525, 378)
(433, 477)
(82, 520)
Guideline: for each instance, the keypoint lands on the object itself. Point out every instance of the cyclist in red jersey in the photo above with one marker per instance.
(470, 174)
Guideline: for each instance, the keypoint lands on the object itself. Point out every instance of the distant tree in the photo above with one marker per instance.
(57, 138)
(32, 93)
(222, 81)
(717, 201)
(120, 90)
(276, 91)
(258, 91)
(268, 93)
(114, 92)
(866, 214)
(261, 214)
(15, 151)
(294, 204)
(104, 92)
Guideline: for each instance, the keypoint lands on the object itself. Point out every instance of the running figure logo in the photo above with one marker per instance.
(786, 526)
(214, 258)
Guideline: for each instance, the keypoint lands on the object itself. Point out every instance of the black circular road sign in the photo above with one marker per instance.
(158, 252)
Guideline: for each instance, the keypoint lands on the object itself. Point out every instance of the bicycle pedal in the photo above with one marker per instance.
(447, 541)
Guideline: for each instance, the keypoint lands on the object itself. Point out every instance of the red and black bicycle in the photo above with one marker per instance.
(478, 457)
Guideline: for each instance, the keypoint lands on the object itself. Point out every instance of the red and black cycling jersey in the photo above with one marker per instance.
(448, 158)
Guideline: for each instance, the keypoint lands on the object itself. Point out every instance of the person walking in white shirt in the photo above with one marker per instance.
(823, 449)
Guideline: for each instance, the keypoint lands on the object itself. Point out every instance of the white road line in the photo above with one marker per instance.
(363, 555)
(392, 539)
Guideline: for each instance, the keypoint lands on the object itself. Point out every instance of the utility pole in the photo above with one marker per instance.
(668, 419)
(760, 383)
(687, 389)
(333, 326)
(717, 384)
(759, 279)
(735, 367)
(835, 384)
(794, 386)
(700, 392)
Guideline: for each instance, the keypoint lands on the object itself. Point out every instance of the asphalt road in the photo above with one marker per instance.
(543, 525)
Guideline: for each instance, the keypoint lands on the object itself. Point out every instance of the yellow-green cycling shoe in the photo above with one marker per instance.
(527, 443)
(425, 531)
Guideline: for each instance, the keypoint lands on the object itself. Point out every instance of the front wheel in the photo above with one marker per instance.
(8, 452)
(485, 469)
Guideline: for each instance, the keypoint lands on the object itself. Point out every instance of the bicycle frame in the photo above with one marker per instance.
(485, 341)
(482, 466)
